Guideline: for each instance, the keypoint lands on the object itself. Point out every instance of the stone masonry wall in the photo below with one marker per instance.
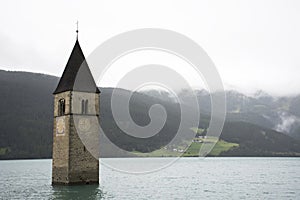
(72, 161)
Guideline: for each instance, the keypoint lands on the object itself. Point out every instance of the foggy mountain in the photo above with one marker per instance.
(278, 113)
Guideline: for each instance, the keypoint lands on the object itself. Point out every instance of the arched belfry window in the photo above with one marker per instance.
(61, 107)
(84, 106)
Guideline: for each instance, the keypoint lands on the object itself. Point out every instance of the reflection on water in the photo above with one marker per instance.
(77, 192)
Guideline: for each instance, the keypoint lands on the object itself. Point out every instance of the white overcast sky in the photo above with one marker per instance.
(254, 44)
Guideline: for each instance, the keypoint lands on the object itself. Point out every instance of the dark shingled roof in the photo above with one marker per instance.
(77, 75)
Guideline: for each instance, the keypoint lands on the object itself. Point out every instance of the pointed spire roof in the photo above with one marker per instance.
(77, 75)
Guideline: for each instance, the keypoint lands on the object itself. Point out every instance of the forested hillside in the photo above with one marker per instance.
(26, 118)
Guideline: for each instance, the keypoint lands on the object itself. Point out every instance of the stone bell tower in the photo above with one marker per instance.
(76, 116)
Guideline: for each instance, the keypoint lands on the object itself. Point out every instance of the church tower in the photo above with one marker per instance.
(75, 130)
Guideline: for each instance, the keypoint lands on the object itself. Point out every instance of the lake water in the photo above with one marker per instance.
(187, 178)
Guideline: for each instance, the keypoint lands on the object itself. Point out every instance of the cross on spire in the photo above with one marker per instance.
(77, 29)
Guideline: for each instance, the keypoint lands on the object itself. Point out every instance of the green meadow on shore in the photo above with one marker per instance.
(194, 148)
(192, 151)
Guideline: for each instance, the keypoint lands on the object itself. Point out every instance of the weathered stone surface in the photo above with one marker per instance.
(72, 161)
